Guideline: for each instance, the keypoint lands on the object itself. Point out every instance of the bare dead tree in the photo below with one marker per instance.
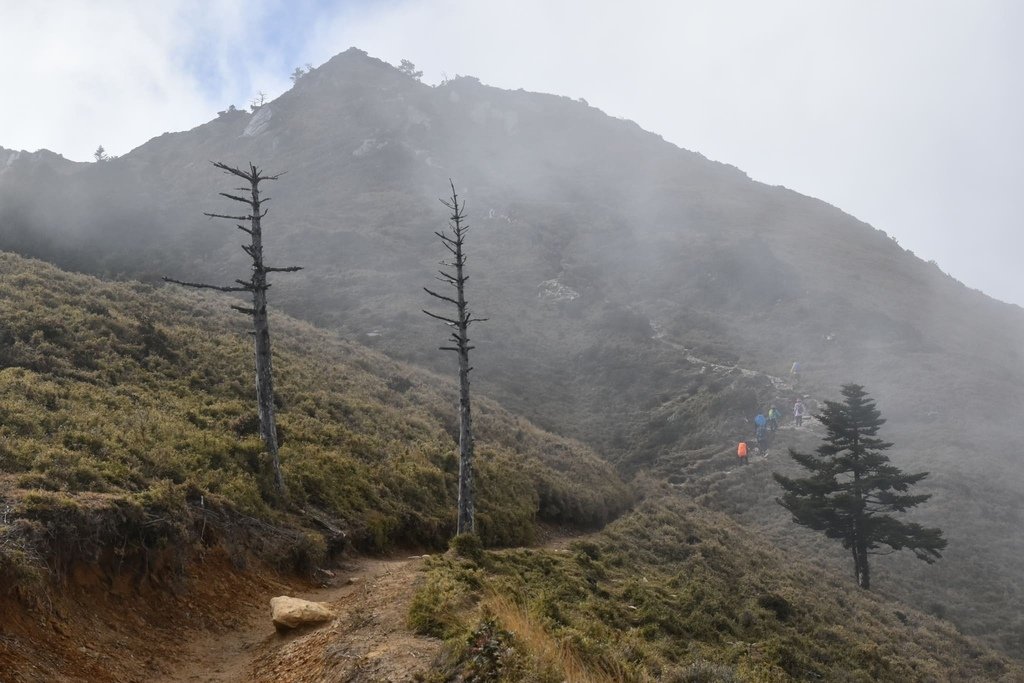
(459, 324)
(257, 286)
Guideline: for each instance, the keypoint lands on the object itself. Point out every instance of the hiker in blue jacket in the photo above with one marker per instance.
(759, 423)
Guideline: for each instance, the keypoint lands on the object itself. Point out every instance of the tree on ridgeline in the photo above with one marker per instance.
(257, 286)
(459, 322)
(258, 101)
(410, 70)
(853, 489)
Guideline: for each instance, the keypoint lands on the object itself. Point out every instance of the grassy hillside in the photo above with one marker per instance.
(676, 593)
(127, 432)
(128, 444)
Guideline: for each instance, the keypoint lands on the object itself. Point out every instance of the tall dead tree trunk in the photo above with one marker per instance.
(459, 325)
(256, 285)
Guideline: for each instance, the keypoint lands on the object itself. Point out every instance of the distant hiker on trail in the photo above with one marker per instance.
(798, 412)
(762, 444)
(794, 372)
(761, 434)
(773, 419)
(741, 452)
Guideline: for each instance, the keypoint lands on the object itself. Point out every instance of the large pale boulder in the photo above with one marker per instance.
(292, 612)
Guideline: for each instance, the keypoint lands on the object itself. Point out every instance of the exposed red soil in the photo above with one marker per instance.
(213, 628)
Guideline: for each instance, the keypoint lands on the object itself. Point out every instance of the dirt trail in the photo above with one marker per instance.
(368, 641)
(778, 382)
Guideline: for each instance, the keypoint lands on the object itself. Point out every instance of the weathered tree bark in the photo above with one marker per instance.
(466, 523)
(865, 568)
(467, 504)
(257, 285)
(860, 547)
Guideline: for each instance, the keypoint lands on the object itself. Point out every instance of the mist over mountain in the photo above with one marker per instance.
(618, 271)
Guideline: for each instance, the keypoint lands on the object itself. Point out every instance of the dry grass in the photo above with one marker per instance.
(674, 592)
(115, 429)
(552, 653)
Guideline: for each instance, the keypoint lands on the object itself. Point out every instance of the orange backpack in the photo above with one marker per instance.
(741, 450)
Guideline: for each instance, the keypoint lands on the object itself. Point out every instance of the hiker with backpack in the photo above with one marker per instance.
(761, 433)
(773, 419)
(741, 452)
(762, 444)
(798, 412)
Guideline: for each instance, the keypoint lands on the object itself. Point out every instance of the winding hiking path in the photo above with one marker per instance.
(367, 641)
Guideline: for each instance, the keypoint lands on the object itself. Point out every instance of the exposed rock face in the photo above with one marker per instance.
(553, 290)
(289, 612)
(259, 122)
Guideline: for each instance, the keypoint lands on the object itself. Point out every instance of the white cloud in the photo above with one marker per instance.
(79, 74)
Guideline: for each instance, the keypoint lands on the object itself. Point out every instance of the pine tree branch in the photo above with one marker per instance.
(440, 296)
(237, 198)
(200, 285)
(447, 240)
(253, 175)
(232, 218)
(442, 318)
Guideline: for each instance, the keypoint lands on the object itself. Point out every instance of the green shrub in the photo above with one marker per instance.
(437, 607)
(468, 546)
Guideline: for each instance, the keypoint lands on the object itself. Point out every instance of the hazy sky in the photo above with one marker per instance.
(908, 114)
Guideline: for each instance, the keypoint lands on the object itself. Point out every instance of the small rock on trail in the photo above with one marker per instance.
(288, 612)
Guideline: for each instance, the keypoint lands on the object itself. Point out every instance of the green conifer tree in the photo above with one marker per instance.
(853, 488)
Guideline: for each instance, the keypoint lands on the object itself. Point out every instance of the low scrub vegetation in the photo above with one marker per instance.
(674, 592)
(128, 432)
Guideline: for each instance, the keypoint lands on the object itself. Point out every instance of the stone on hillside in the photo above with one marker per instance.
(289, 612)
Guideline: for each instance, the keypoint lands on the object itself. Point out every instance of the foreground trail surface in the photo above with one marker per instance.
(367, 641)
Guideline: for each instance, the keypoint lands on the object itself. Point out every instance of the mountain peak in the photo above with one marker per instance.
(352, 64)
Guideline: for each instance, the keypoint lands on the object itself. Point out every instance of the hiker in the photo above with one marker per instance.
(798, 412)
(762, 444)
(741, 452)
(773, 419)
(794, 373)
(759, 422)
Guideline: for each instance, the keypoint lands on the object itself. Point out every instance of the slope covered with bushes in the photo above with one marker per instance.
(128, 432)
(674, 592)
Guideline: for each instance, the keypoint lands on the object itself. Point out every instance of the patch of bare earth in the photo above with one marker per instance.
(367, 641)
(101, 628)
